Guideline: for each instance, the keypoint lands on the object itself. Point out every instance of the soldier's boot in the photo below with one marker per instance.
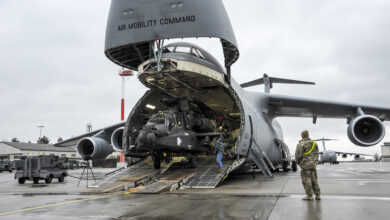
(308, 198)
(318, 197)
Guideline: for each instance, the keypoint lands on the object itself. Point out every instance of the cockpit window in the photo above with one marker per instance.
(200, 54)
(168, 49)
(158, 118)
(183, 49)
(197, 53)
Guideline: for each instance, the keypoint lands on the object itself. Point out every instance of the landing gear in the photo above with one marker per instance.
(156, 162)
(285, 166)
(294, 166)
(192, 161)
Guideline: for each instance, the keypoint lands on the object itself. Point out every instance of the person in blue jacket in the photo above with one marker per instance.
(219, 150)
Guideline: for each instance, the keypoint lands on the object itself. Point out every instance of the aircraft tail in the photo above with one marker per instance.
(268, 81)
(323, 141)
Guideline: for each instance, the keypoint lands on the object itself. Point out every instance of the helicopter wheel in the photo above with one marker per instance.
(193, 163)
(156, 162)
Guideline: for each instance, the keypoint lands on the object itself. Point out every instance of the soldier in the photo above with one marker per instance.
(219, 150)
(306, 156)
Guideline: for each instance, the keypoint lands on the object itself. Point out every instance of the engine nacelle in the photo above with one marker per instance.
(344, 155)
(116, 139)
(93, 148)
(357, 156)
(366, 130)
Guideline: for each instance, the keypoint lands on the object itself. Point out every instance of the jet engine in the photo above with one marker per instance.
(357, 156)
(344, 155)
(93, 148)
(366, 130)
(116, 139)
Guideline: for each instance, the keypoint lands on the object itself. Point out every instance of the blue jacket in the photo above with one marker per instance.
(219, 149)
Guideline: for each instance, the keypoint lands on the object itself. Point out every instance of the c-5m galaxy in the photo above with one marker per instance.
(192, 98)
(330, 156)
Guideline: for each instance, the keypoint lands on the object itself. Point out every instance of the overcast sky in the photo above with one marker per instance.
(54, 72)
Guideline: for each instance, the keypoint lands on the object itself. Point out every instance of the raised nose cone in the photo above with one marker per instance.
(192, 53)
(134, 26)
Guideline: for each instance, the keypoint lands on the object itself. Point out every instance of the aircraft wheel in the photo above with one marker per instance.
(156, 162)
(35, 180)
(294, 166)
(193, 163)
(21, 180)
(285, 166)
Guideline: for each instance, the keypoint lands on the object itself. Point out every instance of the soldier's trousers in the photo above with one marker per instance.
(310, 181)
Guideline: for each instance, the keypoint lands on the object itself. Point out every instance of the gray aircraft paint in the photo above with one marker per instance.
(131, 47)
(330, 156)
(200, 18)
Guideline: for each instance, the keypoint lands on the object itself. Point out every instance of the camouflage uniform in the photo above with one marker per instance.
(308, 163)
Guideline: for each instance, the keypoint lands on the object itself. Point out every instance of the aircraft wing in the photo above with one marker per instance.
(73, 141)
(280, 105)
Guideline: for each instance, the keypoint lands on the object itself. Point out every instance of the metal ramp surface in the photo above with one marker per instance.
(140, 173)
(206, 176)
(172, 176)
(140, 167)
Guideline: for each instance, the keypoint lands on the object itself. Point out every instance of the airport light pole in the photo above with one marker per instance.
(123, 74)
(40, 130)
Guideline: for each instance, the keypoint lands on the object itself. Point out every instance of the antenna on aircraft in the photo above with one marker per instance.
(158, 53)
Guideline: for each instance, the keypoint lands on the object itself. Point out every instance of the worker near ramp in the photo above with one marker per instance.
(306, 155)
(219, 150)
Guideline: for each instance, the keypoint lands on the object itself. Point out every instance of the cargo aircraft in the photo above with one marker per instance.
(192, 98)
(330, 156)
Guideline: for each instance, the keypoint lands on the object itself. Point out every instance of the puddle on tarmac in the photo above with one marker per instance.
(38, 185)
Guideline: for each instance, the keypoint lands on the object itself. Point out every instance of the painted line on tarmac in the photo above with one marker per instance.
(63, 203)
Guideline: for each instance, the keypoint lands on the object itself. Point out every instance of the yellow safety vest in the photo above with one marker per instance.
(314, 144)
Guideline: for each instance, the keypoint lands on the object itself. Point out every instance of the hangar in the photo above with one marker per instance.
(15, 149)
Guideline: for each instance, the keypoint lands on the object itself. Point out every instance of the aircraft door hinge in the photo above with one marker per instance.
(158, 46)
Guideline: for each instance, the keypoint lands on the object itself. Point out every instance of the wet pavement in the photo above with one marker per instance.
(349, 191)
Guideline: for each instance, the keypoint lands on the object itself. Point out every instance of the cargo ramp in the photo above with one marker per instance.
(175, 175)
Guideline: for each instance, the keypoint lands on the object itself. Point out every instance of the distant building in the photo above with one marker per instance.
(28, 149)
(385, 148)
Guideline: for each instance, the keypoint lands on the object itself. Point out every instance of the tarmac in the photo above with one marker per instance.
(350, 190)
